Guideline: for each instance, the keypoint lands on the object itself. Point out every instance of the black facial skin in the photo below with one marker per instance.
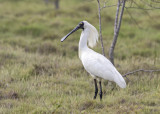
(79, 26)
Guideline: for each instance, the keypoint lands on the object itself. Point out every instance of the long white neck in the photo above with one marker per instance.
(83, 41)
(88, 36)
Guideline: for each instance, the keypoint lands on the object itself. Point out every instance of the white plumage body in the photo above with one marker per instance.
(94, 63)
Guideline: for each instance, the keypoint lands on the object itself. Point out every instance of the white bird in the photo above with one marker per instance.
(98, 66)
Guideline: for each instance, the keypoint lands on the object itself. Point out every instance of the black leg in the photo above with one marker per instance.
(100, 93)
(96, 88)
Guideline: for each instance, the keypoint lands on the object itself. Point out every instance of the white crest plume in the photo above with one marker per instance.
(93, 34)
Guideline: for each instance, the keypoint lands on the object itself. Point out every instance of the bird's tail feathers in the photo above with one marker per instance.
(120, 80)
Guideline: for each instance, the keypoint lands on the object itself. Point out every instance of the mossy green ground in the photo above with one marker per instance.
(39, 74)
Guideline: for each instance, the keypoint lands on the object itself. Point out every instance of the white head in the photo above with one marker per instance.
(93, 34)
(91, 30)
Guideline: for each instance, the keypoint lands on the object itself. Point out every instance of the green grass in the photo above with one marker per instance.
(39, 74)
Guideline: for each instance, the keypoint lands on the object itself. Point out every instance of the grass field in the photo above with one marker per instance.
(41, 75)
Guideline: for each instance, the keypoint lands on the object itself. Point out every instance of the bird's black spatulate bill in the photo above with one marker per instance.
(75, 29)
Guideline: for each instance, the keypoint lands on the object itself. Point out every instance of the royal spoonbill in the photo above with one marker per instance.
(98, 66)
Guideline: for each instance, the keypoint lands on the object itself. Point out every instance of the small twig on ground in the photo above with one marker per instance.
(46, 106)
(140, 70)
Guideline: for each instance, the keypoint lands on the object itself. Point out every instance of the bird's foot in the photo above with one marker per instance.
(95, 94)
(101, 94)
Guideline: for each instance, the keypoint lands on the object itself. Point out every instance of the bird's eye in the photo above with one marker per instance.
(81, 23)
